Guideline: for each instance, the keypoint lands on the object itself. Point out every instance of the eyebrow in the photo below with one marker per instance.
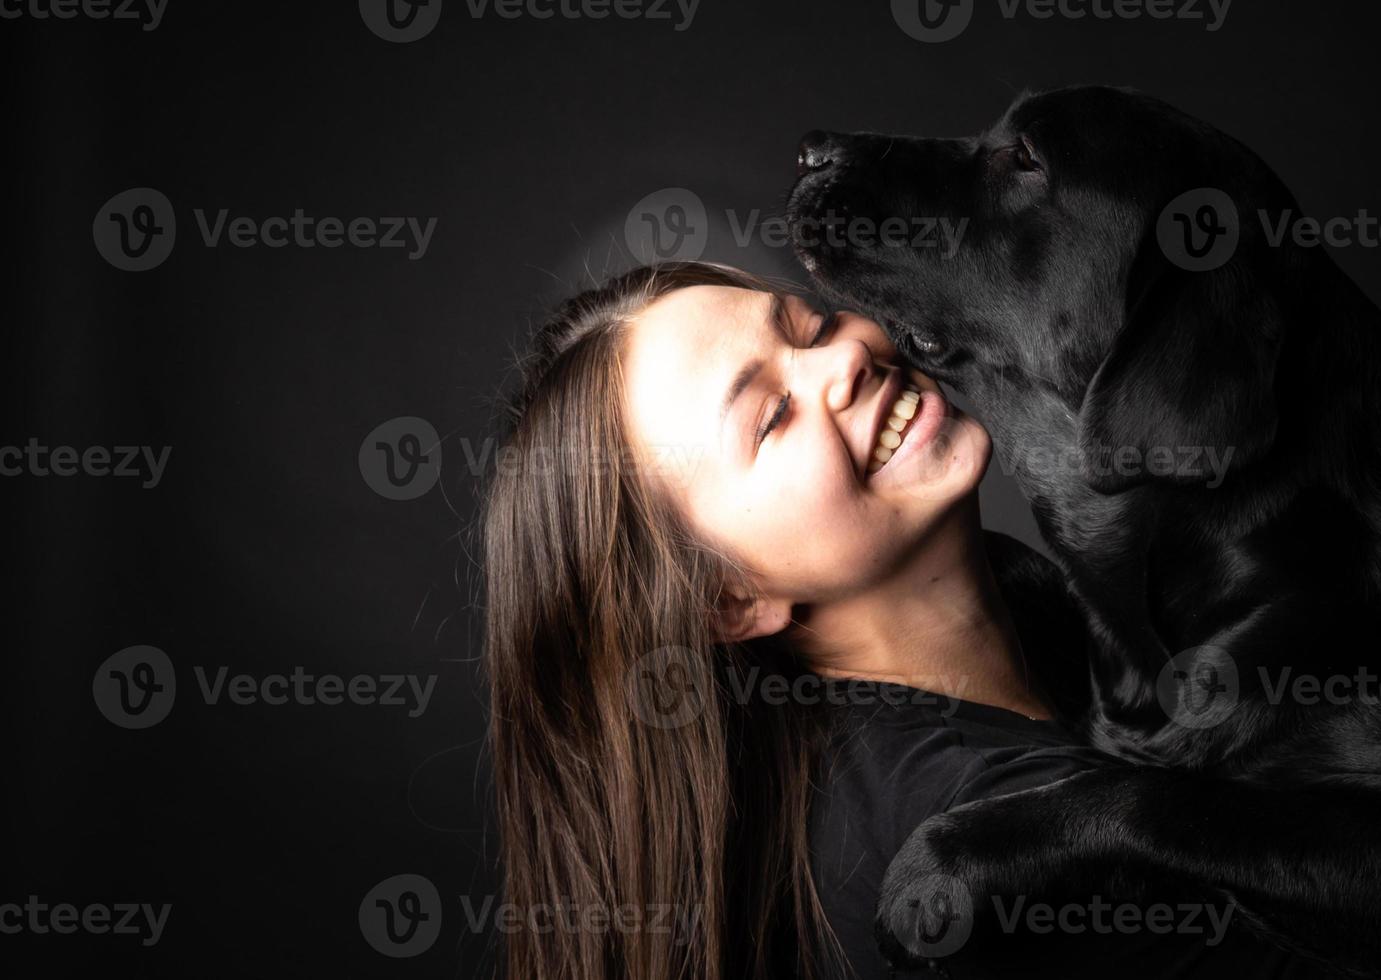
(776, 315)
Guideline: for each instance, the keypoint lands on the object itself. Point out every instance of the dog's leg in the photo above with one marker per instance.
(1301, 867)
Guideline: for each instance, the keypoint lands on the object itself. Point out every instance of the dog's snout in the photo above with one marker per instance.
(818, 151)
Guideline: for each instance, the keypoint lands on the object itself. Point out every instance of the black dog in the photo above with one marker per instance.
(1190, 397)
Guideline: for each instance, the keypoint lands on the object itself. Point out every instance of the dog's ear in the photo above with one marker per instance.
(1187, 392)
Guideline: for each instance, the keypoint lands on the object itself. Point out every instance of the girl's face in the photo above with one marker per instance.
(763, 415)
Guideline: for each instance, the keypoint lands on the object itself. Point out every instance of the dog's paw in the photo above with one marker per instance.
(961, 868)
(931, 893)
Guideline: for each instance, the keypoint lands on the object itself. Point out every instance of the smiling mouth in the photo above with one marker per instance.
(904, 412)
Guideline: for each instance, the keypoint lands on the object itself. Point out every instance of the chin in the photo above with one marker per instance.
(954, 462)
(975, 449)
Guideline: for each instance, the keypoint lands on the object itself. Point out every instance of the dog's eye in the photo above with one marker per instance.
(1024, 155)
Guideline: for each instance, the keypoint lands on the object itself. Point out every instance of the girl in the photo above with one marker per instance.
(744, 633)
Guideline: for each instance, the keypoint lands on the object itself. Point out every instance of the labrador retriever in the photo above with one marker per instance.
(1188, 391)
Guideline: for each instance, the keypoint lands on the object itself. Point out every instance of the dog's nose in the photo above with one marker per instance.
(818, 151)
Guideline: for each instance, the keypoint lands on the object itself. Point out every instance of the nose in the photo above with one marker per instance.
(850, 368)
(818, 151)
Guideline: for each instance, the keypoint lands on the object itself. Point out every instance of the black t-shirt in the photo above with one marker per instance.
(899, 755)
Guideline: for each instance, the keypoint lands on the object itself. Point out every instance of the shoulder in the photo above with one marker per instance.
(889, 767)
(906, 755)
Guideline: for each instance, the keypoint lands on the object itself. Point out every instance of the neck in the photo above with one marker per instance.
(938, 624)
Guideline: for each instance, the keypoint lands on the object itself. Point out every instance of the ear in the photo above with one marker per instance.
(1188, 390)
(743, 618)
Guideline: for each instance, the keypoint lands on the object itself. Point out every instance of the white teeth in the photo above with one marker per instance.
(889, 438)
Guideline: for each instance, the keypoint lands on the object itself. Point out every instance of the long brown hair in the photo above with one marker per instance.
(630, 776)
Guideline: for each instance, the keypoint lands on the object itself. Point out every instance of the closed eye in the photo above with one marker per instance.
(827, 323)
(765, 429)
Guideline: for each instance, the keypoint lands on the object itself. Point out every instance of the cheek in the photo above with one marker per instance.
(804, 508)
(808, 522)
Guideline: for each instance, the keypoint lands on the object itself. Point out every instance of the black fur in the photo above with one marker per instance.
(1062, 319)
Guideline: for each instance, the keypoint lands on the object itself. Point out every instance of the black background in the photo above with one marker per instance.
(263, 549)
